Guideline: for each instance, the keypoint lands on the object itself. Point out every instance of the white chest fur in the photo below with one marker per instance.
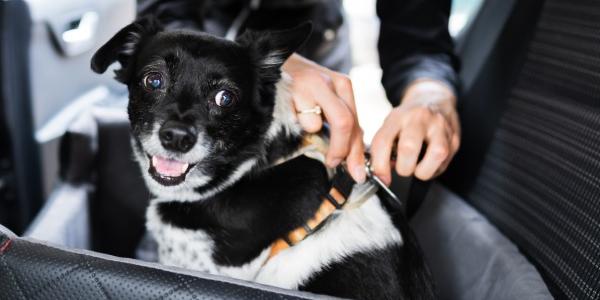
(361, 229)
(193, 249)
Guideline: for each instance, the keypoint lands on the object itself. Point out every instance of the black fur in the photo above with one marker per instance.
(247, 215)
(246, 218)
(377, 274)
(195, 66)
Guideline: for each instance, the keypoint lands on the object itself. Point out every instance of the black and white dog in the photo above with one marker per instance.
(209, 119)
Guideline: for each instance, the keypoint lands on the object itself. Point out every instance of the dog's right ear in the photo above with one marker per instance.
(123, 45)
(272, 48)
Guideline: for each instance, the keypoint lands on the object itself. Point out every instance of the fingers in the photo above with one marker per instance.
(454, 146)
(356, 157)
(414, 128)
(343, 87)
(409, 147)
(332, 92)
(455, 137)
(310, 122)
(304, 99)
(341, 118)
(438, 149)
(381, 148)
(427, 116)
(342, 126)
(443, 167)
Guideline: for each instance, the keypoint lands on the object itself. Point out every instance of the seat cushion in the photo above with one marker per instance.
(539, 180)
(469, 257)
(30, 269)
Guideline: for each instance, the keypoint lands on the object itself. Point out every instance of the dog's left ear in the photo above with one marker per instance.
(272, 48)
(123, 45)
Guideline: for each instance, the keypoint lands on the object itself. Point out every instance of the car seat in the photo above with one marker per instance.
(515, 217)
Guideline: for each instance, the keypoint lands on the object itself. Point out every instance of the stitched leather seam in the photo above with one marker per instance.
(189, 288)
(173, 290)
(96, 280)
(55, 280)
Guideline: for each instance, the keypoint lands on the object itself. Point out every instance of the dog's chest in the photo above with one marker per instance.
(184, 248)
(194, 249)
(354, 231)
(190, 249)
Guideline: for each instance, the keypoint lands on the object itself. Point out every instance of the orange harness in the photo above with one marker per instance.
(332, 201)
(315, 146)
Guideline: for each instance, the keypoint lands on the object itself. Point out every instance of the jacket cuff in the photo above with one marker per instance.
(397, 77)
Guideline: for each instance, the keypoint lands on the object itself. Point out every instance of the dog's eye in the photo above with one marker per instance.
(153, 81)
(224, 98)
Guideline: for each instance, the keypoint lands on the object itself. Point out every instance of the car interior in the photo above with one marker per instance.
(516, 215)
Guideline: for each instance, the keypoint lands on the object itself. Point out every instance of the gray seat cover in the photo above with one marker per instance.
(469, 257)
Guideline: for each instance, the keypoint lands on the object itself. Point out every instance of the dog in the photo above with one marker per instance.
(214, 132)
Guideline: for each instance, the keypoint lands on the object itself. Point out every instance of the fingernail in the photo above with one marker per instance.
(386, 180)
(334, 162)
(359, 174)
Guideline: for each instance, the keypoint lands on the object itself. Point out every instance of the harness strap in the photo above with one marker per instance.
(334, 200)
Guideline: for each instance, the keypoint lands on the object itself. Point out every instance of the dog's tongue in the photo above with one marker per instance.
(169, 167)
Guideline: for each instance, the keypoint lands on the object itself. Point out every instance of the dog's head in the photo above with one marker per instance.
(203, 110)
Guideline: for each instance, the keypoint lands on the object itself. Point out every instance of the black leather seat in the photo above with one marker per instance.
(32, 270)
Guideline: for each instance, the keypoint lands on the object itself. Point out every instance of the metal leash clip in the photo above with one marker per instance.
(390, 197)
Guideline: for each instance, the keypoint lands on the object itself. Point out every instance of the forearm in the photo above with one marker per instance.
(414, 43)
(403, 74)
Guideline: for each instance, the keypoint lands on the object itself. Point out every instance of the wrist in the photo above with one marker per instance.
(429, 92)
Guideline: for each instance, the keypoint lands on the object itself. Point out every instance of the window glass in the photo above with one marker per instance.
(463, 12)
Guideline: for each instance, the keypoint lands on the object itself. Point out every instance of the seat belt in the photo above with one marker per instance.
(479, 40)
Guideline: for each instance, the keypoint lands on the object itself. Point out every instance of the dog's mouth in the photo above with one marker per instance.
(167, 171)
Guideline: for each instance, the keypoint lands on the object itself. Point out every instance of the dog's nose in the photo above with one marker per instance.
(176, 136)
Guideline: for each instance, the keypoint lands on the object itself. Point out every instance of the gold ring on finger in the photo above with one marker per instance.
(315, 110)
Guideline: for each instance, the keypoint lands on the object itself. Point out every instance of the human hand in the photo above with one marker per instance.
(426, 115)
(314, 85)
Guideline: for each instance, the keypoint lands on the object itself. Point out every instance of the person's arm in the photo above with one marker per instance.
(419, 76)
(414, 43)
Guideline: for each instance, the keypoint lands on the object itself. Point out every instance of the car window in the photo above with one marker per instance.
(463, 12)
